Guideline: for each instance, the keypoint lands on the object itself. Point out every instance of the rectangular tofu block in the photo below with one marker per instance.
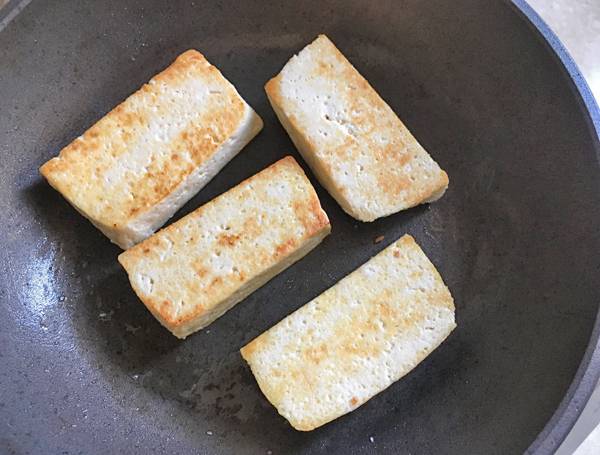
(355, 144)
(354, 340)
(193, 271)
(133, 169)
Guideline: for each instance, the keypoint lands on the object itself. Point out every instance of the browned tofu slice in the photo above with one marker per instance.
(191, 272)
(355, 144)
(140, 163)
(355, 339)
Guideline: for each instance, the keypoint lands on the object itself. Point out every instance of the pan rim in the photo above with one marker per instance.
(562, 421)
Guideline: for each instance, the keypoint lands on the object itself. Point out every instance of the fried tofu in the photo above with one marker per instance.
(354, 143)
(196, 269)
(355, 339)
(133, 169)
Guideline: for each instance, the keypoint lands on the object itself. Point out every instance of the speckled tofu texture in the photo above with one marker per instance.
(140, 163)
(355, 144)
(191, 272)
(354, 340)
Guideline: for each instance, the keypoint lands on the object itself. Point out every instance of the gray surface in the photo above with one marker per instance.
(577, 25)
(586, 378)
(515, 237)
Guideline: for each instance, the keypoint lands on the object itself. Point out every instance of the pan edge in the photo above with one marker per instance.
(562, 421)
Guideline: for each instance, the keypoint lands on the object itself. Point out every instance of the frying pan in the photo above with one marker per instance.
(487, 90)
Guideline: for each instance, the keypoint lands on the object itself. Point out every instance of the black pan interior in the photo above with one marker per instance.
(86, 369)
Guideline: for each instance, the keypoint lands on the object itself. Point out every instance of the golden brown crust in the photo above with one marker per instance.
(355, 339)
(362, 153)
(83, 169)
(207, 256)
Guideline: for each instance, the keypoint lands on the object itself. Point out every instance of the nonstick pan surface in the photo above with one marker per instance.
(86, 369)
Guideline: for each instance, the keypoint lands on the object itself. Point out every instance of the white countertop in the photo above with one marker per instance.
(577, 25)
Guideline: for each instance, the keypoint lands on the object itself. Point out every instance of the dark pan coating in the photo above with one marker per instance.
(85, 367)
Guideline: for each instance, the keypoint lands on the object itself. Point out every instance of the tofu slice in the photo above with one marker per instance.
(193, 271)
(354, 143)
(133, 169)
(354, 340)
